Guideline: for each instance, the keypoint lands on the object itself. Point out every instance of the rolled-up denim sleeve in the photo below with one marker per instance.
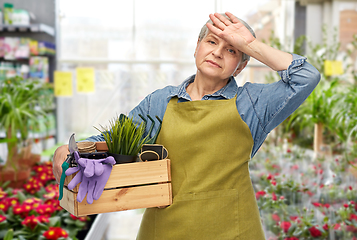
(276, 101)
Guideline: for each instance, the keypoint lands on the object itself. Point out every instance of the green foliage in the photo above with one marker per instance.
(333, 102)
(123, 136)
(20, 102)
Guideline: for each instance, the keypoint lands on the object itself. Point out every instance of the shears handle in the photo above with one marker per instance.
(65, 166)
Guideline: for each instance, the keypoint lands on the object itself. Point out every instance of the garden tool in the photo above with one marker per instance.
(72, 147)
(92, 174)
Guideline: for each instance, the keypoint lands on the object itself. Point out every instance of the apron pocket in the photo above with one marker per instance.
(206, 215)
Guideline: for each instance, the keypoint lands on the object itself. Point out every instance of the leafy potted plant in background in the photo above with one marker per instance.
(19, 103)
(124, 138)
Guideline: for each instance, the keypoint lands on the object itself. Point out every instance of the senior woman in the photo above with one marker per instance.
(212, 128)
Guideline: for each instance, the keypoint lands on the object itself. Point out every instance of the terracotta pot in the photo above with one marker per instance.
(30, 161)
(16, 177)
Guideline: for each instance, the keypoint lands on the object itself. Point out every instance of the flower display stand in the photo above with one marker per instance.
(130, 186)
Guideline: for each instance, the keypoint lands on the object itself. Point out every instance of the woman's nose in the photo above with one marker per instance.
(217, 52)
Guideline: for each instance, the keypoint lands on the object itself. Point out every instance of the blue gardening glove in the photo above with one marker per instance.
(96, 173)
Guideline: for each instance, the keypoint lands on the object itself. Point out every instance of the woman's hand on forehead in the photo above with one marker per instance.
(235, 33)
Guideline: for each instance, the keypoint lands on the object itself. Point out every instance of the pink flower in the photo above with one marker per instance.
(345, 205)
(337, 226)
(275, 217)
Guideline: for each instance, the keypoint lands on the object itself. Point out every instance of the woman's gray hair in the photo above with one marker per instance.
(204, 32)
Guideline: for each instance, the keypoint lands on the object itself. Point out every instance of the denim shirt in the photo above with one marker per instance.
(261, 106)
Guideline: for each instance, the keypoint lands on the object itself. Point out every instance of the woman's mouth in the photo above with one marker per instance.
(212, 63)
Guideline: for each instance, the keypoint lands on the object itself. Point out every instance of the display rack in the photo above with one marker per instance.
(40, 27)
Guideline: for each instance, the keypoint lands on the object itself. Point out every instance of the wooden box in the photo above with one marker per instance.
(130, 186)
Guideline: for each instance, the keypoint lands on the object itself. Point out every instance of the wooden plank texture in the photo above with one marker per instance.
(137, 173)
(120, 199)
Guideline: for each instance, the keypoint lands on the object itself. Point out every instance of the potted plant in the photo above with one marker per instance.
(124, 138)
(19, 103)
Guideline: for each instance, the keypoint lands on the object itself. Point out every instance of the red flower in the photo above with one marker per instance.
(350, 188)
(22, 210)
(353, 217)
(316, 204)
(291, 238)
(54, 203)
(285, 226)
(54, 233)
(2, 218)
(326, 205)
(273, 196)
(295, 219)
(30, 221)
(325, 226)
(82, 219)
(4, 205)
(350, 228)
(315, 232)
(2, 193)
(45, 210)
(345, 205)
(259, 194)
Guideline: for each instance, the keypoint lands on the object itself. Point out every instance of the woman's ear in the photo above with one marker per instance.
(240, 68)
(198, 42)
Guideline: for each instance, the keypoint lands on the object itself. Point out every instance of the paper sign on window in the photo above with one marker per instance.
(85, 80)
(63, 84)
(333, 68)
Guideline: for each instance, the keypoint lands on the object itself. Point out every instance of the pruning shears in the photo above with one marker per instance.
(72, 147)
(70, 160)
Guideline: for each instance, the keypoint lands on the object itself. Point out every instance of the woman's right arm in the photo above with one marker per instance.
(59, 157)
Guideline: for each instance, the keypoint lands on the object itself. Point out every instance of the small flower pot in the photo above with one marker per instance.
(119, 158)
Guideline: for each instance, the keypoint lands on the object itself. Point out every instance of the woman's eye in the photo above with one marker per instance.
(231, 51)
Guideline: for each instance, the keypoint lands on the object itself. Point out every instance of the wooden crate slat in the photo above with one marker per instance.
(121, 199)
(138, 173)
(69, 201)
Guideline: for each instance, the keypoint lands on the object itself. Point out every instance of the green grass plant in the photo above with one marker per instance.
(124, 136)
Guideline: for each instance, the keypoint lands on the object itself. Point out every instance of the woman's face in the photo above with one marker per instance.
(215, 58)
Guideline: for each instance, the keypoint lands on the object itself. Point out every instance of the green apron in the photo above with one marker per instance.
(209, 147)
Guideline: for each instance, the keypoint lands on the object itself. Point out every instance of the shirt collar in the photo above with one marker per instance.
(229, 91)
